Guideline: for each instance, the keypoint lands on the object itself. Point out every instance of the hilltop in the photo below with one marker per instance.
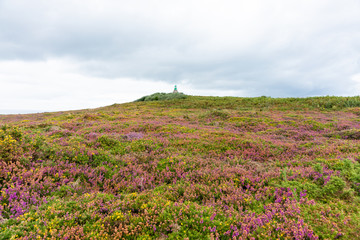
(190, 167)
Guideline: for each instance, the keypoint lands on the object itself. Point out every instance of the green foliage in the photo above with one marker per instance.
(216, 114)
(107, 142)
(335, 186)
(283, 174)
(328, 103)
(352, 134)
(63, 191)
(162, 96)
(350, 170)
(11, 139)
(318, 168)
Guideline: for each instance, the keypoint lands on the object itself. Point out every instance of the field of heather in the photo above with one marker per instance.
(193, 168)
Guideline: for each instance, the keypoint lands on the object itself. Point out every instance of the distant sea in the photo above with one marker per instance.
(19, 111)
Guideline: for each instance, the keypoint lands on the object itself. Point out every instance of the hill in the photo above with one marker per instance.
(196, 168)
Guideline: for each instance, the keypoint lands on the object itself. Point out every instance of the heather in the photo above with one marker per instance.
(196, 168)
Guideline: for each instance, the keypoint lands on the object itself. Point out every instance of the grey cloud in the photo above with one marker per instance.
(311, 60)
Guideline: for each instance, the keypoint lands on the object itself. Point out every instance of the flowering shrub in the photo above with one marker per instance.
(195, 168)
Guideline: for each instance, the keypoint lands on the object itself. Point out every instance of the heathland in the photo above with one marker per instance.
(187, 168)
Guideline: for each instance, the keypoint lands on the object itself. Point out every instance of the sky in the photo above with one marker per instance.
(74, 54)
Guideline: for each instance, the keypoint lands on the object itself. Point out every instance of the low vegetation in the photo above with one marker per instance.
(162, 96)
(192, 168)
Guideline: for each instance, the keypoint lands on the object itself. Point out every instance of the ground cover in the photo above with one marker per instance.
(196, 168)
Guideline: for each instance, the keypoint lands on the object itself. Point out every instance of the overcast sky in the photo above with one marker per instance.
(75, 54)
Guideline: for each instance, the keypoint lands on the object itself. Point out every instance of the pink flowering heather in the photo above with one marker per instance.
(193, 168)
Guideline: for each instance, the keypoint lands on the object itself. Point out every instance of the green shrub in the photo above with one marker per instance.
(313, 190)
(334, 186)
(107, 142)
(318, 168)
(162, 96)
(329, 103)
(348, 194)
(63, 191)
(217, 114)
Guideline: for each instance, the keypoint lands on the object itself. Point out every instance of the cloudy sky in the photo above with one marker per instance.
(75, 54)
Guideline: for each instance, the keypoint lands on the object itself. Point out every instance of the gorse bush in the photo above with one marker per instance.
(216, 114)
(107, 142)
(335, 186)
(162, 96)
